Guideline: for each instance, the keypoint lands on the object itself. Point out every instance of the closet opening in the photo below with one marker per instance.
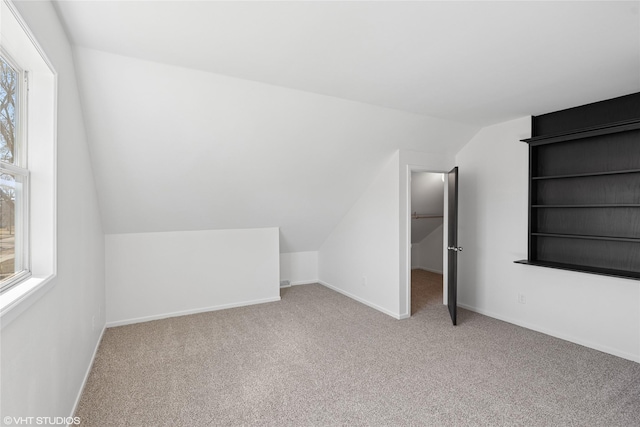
(427, 232)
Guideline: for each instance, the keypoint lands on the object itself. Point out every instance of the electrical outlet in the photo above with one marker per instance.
(522, 299)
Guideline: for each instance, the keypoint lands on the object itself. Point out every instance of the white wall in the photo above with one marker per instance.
(156, 275)
(360, 256)
(47, 349)
(367, 256)
(427, 198)
(428, 254)
(299, 268)
(240, 154)
(414, 255)
(595, 311)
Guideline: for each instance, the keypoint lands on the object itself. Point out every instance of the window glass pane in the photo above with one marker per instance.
(9, 227)
(8, 90)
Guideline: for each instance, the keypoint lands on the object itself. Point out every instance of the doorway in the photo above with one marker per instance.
(427, 233)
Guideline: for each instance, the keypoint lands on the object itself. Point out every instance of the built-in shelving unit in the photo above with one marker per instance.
(584, 189)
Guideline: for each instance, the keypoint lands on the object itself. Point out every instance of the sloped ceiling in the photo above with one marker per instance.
(204, 115)
(473, 62)
(181, 149)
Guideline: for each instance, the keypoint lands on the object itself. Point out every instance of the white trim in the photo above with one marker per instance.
(20, 297)
(32, 38)
(86, 375)
(13, 169)
(190, 311)
(406, 275)
(445, 242)
(298, 283)
(426, 269)
(304, 282)
(364, 301)
(570, 338)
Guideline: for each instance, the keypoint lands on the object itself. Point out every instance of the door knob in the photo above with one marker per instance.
(454, 248)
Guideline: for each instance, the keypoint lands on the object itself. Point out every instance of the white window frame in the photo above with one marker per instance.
(19, 43)
(19, 168)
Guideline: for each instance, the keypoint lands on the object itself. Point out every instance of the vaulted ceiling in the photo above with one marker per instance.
(474, 62)
(213, 114)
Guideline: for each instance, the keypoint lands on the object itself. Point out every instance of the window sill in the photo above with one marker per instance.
(20, 297)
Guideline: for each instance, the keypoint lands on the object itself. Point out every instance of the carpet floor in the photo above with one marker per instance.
(318, 358)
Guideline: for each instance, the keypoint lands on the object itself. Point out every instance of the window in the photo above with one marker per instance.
(28, 99)
(14, 176)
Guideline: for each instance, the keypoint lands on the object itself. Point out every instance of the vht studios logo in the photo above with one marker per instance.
(40, 421)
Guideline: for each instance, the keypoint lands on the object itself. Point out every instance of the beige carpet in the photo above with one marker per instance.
(318, 358)
(426, 290)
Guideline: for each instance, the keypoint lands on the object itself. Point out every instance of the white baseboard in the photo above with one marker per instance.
(427, 269)
(300, 282)
(187, 312)
(304, 282)
(363, 301)
(562, 336)
(86, 374)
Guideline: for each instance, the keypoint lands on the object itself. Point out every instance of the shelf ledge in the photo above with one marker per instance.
(586, 175)
(599, 205)
(587, 237)
(583, 269)
(607, 129)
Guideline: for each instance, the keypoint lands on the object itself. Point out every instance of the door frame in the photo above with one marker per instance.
(445, 224)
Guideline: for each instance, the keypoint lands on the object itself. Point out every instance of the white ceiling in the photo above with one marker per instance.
(473, 62)
(212, 115)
